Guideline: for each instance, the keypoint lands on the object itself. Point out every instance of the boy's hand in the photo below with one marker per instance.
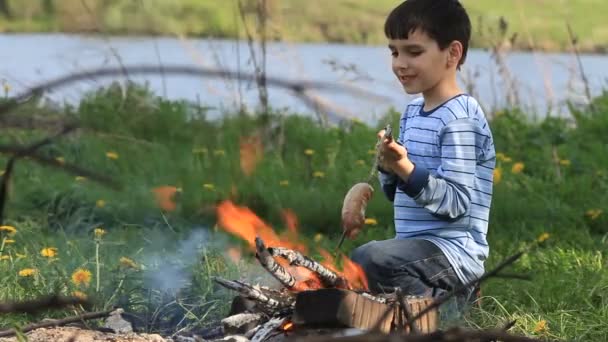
(394, 156)
(389, 149)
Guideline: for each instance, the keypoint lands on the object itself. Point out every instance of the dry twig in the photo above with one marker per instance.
(58, 322)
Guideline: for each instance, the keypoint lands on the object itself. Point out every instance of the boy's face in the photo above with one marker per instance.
(418, 62)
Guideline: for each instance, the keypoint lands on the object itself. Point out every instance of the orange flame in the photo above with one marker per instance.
(234, 254)
(353, 272)
(251, 152)
(242, 222)
(165, 197)
(287, 326)
(291, 220)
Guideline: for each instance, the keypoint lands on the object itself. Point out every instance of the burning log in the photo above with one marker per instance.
(268, 328)
(268, 262)
(255, 293)
(328, 277)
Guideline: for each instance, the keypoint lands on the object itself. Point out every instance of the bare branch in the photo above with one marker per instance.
(58, 322)
(33, 306)
(297, 87)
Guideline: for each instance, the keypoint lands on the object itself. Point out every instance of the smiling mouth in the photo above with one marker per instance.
(406, 79)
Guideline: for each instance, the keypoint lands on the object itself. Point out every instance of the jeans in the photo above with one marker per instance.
(417, 266)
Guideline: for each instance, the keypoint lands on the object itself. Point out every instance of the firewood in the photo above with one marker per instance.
(254, 293)
(268, 262)
(268, 328)
(328, 277)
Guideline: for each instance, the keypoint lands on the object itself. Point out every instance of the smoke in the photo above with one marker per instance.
(170, 266)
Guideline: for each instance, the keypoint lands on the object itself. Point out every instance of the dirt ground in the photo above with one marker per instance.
(73, 334)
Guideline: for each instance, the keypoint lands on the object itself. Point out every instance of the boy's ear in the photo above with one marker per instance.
(454, 53)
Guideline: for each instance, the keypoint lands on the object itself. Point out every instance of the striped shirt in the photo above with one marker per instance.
(447, 198)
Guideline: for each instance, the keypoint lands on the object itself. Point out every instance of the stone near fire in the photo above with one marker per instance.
(242, 322)
(116, 323)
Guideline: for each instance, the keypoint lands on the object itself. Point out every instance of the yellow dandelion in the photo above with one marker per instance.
(284, 182)
(564, 162)
(593, 214)
(49, 252)
(219, 152)
(99, 232)
(318, 237)
(81, 277)
(517, 167)
(5, 257)
(27, 272)
(9, 241)
(100, 203)
(497, 175)
(10, 229)
(60, 160)
(128, 263)
(541, 327)
(543, 237)
(503, 157)
(112, 155)
(80, 295)
(199, 150)
(371, 221)
(209, 186)
(318, 174)
(360, 162)
(309, 152)
(80, 178)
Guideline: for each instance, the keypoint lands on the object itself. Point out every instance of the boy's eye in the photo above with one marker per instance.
(415, 53)
(394, 53)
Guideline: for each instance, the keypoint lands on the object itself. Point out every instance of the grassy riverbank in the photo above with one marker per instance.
(540, 24)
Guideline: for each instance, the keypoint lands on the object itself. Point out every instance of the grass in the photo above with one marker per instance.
(539, 23)
(171, 255)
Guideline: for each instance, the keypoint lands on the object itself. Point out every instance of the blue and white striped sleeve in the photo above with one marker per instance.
(448, 194)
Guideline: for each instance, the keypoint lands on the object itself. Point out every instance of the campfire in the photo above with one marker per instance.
(312, 295)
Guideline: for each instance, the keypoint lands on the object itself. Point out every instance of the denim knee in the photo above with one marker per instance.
(361, 254)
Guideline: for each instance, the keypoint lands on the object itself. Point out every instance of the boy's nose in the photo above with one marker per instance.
(400, 63)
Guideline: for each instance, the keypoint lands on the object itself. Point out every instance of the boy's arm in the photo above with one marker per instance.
(447, 195)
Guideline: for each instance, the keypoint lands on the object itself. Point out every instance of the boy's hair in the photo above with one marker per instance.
(443, 20)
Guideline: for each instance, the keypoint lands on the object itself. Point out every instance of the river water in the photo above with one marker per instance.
(544, 81)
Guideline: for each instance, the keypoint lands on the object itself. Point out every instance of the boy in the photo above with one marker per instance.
(439, 173)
